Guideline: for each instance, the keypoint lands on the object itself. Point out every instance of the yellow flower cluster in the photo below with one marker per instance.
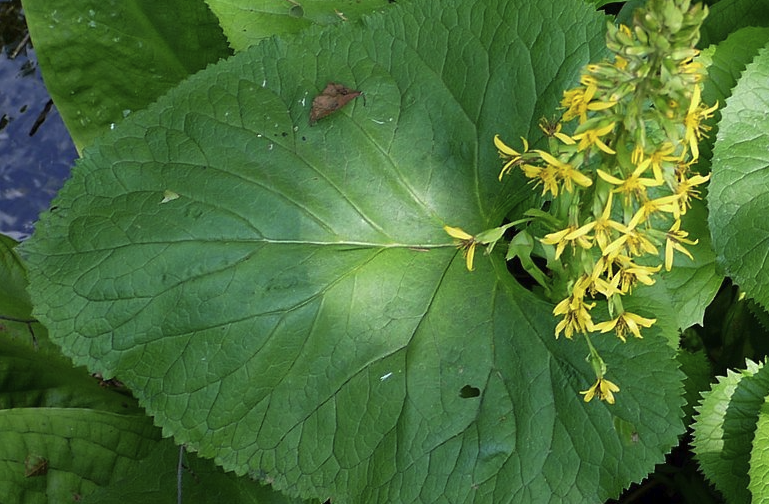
(619, 182)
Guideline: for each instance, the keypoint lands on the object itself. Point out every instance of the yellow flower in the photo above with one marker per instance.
(608, 289)
(576, 101)
(567, 236)
(693, 68)
(576, 317)
(633, 242)
(675, 237)
(554, 130)
(548, 177)
(632, 273)
(565, 171)
(593, 137)
(634, 185)
(511, 156)
(629, 272)
(660, 156)
(603, 389)
(695, 130)
(467, 244)
(686, 190)
(601, 227)
(625, 322)
(575, 311)
(579, 100)
(668, 204)
(620, 63)
(579, 234)
(625, 30)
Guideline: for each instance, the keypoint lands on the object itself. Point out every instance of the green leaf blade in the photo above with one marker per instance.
(298, 312)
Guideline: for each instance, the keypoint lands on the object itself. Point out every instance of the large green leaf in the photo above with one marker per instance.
(298, 311)
(103, 60)
(738, 197)
(246, 22)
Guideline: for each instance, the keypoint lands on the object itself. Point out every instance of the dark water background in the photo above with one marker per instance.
(35, 156)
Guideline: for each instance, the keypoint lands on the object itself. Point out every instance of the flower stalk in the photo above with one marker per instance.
(617, 177)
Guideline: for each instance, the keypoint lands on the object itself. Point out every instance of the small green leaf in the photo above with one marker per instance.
(625, 15)
(739, 189)
(522, 246)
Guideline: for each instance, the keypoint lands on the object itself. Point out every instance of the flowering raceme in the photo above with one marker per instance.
(615, 188)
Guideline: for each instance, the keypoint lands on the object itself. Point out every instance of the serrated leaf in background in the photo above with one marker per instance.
(738, 196)
(759, 457)
(104, 60)
(299, 310)
(61, 454)
(724, 429)
(727, 16)
(725, 63)
(698, 372)
(153, 480)
(246, 22)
